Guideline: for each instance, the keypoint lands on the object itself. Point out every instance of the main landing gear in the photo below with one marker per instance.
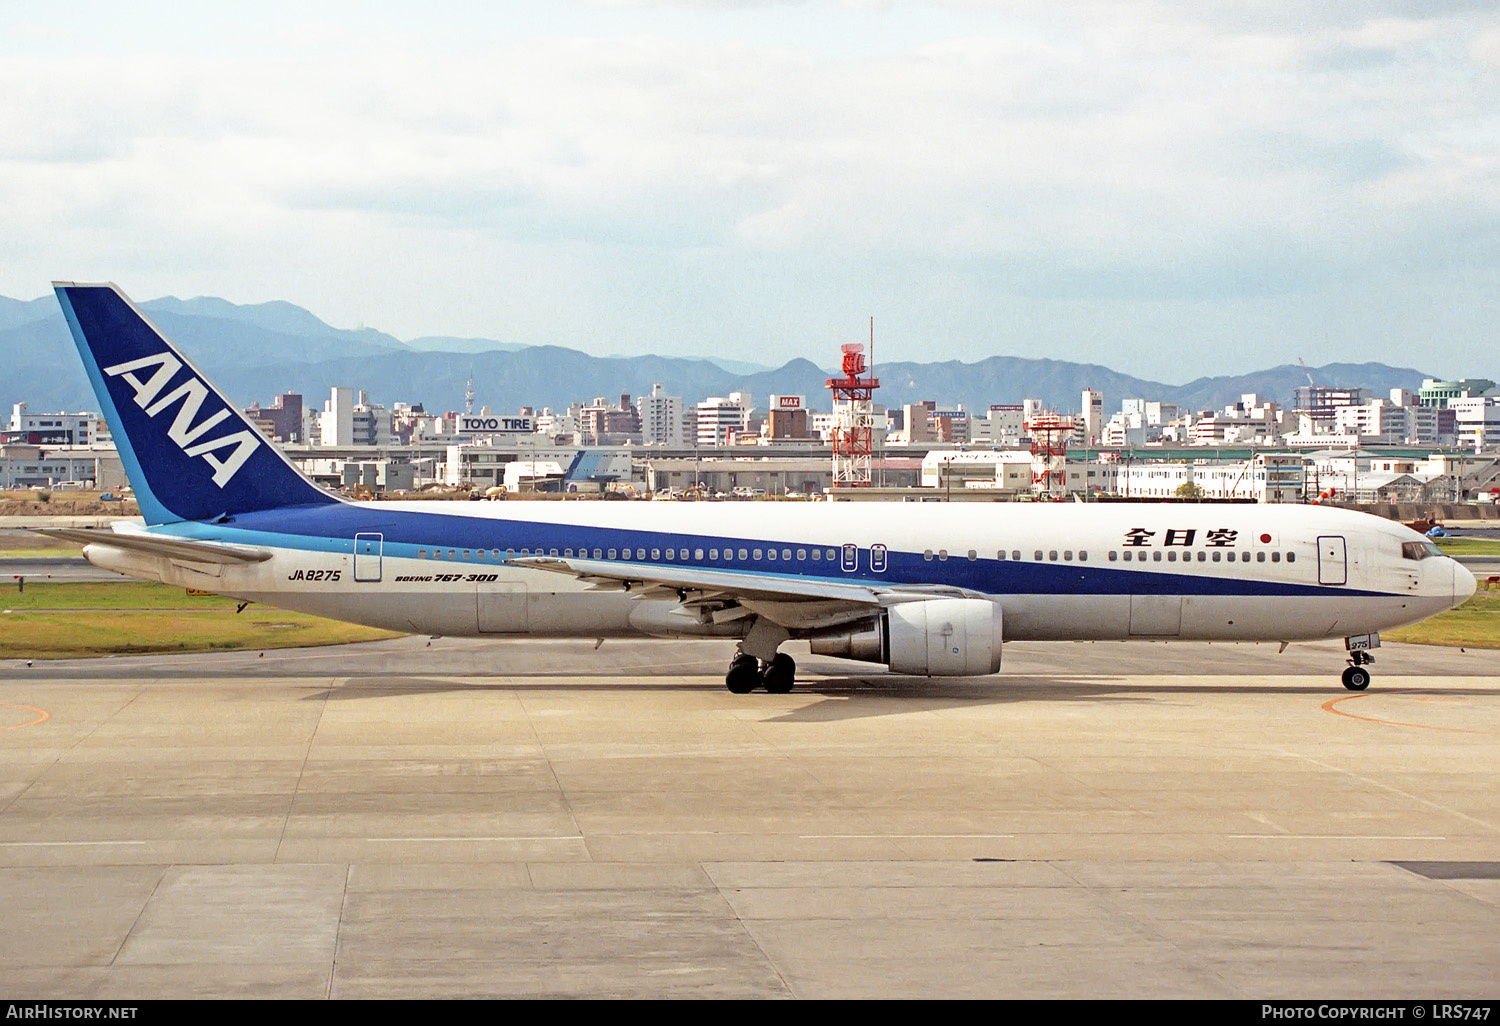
(746, 673)
(759, 664)
(1356, 677)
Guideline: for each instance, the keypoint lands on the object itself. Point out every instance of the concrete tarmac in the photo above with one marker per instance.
(496, 819)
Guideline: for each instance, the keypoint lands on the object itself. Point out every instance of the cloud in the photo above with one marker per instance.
(1175, 155)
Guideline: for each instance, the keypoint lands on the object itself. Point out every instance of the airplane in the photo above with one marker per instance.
(930, 590)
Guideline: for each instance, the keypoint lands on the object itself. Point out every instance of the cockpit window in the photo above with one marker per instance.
(1419, 550)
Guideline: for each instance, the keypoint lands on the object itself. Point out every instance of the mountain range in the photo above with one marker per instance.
(255, 351)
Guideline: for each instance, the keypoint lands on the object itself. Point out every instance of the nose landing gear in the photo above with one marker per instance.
(1356, 677)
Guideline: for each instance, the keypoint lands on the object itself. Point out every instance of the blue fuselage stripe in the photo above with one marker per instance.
(331, 529)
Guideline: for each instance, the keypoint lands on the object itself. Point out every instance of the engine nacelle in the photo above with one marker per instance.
(930, 638)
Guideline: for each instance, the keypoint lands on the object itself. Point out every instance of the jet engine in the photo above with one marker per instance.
(930, 638)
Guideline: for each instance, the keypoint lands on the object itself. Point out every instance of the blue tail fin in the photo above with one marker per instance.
(189, 452)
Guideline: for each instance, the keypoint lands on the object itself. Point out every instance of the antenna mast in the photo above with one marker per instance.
(853, 417)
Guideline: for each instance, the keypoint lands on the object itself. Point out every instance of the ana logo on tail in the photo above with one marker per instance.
(184, 432)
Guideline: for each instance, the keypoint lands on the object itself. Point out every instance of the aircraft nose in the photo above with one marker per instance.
(1464, 584)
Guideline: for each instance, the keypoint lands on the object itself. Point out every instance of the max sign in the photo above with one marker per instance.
(495, 425)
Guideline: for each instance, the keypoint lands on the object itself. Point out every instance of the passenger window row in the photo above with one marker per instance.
(1140, 555)
(1050, 555)
(1217, 556)
(640, 555)
(878, 553)
(942, 555)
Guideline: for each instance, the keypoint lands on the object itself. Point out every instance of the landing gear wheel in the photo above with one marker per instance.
(1356, 678)
(780, 674)
(743, 675)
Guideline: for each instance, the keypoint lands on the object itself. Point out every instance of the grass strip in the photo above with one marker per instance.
(43, 552)
(105, 595)
(1475, 624)
(1469, 546)
(59, 621)
(83, 634)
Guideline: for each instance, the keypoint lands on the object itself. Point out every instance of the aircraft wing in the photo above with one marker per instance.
(722, 595)
(158, 545)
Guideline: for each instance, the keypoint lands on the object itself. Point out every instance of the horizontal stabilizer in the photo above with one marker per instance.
(156, 545)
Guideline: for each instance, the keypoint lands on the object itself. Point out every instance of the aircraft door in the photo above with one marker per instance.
(503, 608)
(1156, 615)
(850, 558)
(1155, 605)
(1333, 560)
(367, 552)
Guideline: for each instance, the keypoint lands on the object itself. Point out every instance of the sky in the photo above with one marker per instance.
(1170, 188)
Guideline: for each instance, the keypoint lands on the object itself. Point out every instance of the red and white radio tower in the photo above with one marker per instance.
(854, 417)
(1049, 452)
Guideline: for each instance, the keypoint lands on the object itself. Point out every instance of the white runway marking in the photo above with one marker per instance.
(1337, 837)
(569, 837)
(58, 844)
(835, 837)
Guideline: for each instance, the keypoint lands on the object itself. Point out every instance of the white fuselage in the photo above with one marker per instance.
(1060, 571)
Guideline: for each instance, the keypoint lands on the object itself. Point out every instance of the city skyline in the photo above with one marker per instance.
(264, 349)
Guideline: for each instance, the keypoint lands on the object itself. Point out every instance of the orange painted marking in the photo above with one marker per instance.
(1329, 707)
(42, 715)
